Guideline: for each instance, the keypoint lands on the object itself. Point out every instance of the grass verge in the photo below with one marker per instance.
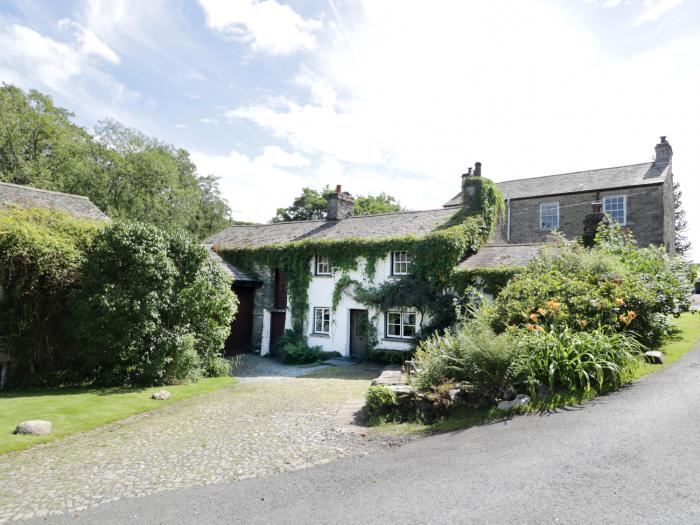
(683, 339)
(72, 410)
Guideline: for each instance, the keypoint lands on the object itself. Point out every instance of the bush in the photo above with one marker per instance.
(469, 351)
(389, 357)
(563, 359)
(380, 405)
(294, 349)
(153, 308)
(41, 258)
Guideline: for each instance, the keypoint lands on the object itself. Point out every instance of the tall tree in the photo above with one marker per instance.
(312, 205)
(681, 223)
(124, 172)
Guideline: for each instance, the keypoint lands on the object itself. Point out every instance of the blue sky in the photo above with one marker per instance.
(378, 96)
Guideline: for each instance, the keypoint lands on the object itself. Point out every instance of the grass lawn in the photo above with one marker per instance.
(72, 410)
(685, 337)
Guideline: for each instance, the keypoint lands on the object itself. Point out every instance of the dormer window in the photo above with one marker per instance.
(400, 263)
(616, 208)
(323, 265)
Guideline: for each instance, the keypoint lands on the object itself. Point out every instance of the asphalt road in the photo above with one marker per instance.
(630, 457)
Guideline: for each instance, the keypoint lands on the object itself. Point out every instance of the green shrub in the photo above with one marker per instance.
(563, 359)
(469, 351)
(148, 301)
(294, 349)
(389, 357)
(41, 258)
(380, 405)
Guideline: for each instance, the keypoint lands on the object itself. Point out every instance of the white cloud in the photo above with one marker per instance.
(607, 4)
(90, 43)
(655, 10)
(207, 120)
(269, 27)
(416, 99)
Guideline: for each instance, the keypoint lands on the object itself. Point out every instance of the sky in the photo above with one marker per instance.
(392, 96)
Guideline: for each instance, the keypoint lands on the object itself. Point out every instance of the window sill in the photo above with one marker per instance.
(323, 275)
(399, 339)
(317, 334)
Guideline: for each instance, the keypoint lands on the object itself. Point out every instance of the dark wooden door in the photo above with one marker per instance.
(241, 338)
(359, 327)
(276, 330)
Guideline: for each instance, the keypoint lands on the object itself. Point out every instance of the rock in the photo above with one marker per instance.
(388, 377)
(654, 357)
(401, 389)
(161, 395)
(452, 394)
(520, 400)
(34, 427)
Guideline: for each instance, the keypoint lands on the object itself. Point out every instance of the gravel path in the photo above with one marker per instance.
(265, 423)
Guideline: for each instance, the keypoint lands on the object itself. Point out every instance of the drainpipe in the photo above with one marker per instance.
(508, 223)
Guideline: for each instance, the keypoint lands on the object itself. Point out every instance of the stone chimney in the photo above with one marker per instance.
(664, 153)
(477, 169)
(340, 205)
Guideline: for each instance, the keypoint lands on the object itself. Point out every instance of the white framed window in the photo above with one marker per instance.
(401, 324)
(400, 263)
(322, 320)
(549, 216)
(616, 208)
(323, 265)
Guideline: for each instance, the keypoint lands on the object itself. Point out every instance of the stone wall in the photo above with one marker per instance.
(262, 300)
(647, 215)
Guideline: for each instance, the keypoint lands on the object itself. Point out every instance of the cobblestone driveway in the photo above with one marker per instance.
(265, 423)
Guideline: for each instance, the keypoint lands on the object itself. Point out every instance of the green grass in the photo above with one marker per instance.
(72, 410)
(684, 338)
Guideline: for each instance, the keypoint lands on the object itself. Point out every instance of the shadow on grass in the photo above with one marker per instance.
(71, 390)
(361, 371)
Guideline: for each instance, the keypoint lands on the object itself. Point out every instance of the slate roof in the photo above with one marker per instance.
(364, 226)
(493, 255)
(590, 180)
(28, 197)
(238, 275)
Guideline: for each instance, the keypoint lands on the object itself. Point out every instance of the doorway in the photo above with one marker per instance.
(359, 328)
(241, 338)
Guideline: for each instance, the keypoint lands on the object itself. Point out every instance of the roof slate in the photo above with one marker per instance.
(28, 197)
(364, 226)
(589, 180)
(238, 275)
(493, 255)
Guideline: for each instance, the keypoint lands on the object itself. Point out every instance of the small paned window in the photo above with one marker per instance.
(400, 263)
(323, 265)
(322, 320)
(616, 208)
(549, 216)
(401, 324)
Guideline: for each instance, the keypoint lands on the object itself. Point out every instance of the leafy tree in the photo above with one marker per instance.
(125, 173)
(681, 223)
(153, 308)
(312, 205)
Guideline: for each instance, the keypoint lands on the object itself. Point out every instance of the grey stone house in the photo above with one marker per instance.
(639, 197)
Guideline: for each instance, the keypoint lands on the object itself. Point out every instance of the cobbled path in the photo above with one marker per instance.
(265, 423)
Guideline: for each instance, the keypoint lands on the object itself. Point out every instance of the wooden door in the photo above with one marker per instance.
(241, 337)
(276, 330)
(359, 327)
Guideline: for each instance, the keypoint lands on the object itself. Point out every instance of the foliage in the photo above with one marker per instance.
(41, 257)
(294, 349)
(615, 284)
(313, 205)
(566, 360)
(469, 351)
(389, 357)
(434, 255)
(680, 222)
(380, 404)
(153, 308)
(126, 174)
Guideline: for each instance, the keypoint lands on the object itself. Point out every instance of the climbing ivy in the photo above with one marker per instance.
(433, 256)
(490, 280)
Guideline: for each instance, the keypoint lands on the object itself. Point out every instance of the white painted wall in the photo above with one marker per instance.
(321, 295)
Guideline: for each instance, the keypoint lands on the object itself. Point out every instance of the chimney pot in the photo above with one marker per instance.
(340, 205)
(338, 188)
(664, 153)
(477, 169)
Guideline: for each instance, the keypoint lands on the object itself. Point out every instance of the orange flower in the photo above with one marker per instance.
(553, 305)
(530, 326)
(534, 317)
(538, 328)
(541, 311)
(619, 301)
(631, 315)
(582, 323)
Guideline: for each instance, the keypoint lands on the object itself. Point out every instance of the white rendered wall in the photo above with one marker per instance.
(321, 295)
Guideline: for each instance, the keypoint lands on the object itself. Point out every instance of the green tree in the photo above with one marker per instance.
(680, 222)
(312, 205)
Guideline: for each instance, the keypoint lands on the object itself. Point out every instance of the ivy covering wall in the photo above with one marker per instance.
(433, 256)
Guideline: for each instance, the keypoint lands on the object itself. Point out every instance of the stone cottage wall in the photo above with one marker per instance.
(262, 300)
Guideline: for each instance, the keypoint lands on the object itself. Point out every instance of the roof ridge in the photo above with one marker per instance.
(32, 188)
(574, 172)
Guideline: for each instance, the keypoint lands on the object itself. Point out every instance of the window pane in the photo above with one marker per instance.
(615, 208)
(401, 263)
(322, 320)
(323, 265)
(549, 215)
(409, 324)
(393, 324)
